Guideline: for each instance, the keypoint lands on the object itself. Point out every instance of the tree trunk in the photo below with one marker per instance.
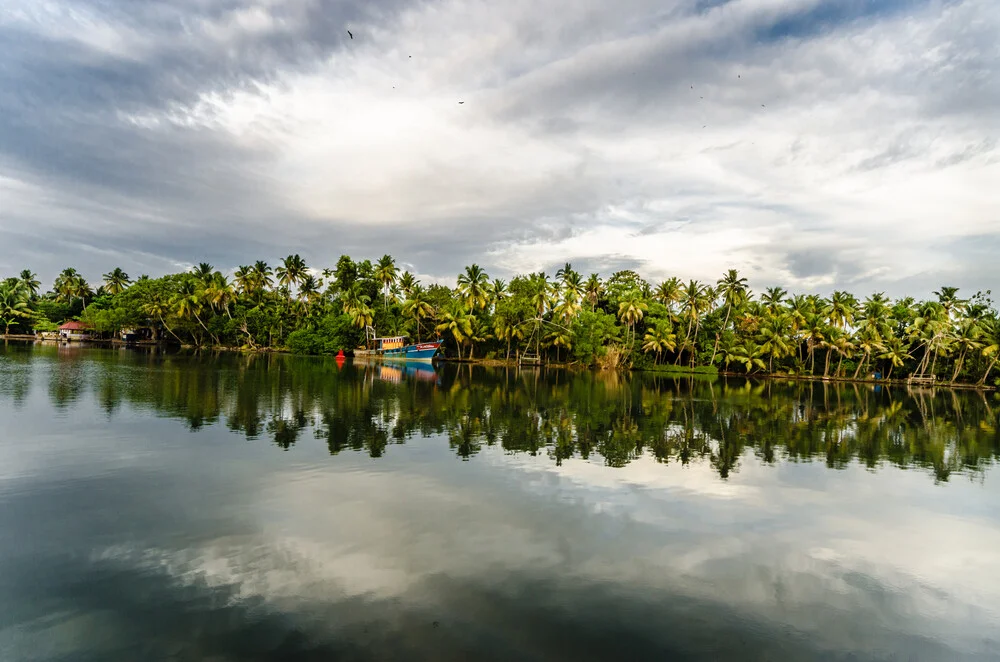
(812, 360)
(958, 366)
(826, 370)
(864, 359)
(694, 354)
(982, 380)
(725, 323)
(840, 363)
(888, 375)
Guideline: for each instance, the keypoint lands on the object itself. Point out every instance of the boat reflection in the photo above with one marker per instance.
(423, 372)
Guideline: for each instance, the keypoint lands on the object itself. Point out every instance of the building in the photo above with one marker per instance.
(77, 331)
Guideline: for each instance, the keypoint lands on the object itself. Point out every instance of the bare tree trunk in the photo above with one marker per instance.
(826, 370)
(982, 380)
(958, 365)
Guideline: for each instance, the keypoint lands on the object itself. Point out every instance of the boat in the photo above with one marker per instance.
(396, 349)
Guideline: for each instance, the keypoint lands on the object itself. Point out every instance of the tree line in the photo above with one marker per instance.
(617, 322)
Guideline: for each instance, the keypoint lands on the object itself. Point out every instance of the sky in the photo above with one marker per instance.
(810, 144)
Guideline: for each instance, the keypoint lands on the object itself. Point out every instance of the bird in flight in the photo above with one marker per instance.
(460, 103)
(349, 34)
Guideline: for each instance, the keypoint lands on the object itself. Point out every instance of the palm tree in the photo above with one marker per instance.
(116, 281)
(309, 290)
(188, 303)
(668, 293)
(407, 282)
(560, 337)
(13, 303)
(693, 301)
(660, 338)
(990, 347)
(747, 353)
(244, 279)
(472, 285)
(203, 271)
(948, 298)
(895, 351)
(775, 333)
(219, 293)
(773, 298)
(968, 336)
(262, 280)
(816, 331)
(843, 307)
(733, 290)
(291, 272)
(631, 311)
(30, 281)
(506, 330)
(418, 307)
(565, 272)
(386, 275)
(497, 291)
(458, 322)
(593, 289)
(572, 288)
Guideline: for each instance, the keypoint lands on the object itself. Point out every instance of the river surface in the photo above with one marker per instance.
(222, 507)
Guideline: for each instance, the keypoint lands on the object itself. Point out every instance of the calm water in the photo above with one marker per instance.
(182, 507)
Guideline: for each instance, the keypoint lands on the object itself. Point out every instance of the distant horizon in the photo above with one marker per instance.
(813, 146)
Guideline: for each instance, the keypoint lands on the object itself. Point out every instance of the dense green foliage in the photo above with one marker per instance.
(623, 321)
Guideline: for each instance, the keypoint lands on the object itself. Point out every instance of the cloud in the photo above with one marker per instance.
(678, 138)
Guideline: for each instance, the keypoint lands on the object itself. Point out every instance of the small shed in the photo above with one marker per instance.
(74, 330)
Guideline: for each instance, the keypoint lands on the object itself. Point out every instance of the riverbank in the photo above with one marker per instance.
(666, 370)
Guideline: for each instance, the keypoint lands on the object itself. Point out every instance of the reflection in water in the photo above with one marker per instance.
(566, 415)
(599, 516)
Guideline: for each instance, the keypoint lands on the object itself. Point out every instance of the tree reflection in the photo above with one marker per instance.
(564, 415)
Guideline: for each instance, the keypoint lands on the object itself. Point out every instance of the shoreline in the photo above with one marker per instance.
(673, 371)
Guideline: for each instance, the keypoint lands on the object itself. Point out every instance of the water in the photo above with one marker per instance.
(183, 507)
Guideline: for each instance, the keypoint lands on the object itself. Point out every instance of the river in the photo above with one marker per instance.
(177, 506)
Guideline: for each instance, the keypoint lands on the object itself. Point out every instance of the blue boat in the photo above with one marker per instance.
(396, 349)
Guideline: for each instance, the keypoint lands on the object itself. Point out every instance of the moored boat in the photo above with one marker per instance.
(396, 349)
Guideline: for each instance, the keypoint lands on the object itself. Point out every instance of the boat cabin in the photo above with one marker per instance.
(396, 342)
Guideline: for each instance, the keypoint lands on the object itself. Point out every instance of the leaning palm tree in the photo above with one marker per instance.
(243, 277)
(990, 348)
(116, 281)
(472, 285)
(262, 277)
(668, 293)
(13, 303)
(968, 336)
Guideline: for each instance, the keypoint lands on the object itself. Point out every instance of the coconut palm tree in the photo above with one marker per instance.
(733, 290)
(694, 300)
(203, 271)
(747, 353)
(30, 281)
(309, 291)
(896, 352)
(631, 311)
(291, 272)
(14, 304)
(407, 282)
(219, 293)
(243, 277)
(775, 333)
(472, 285)
(593, 289)
(458, 322)
(968, 336)
(572, 289)
(497, 291)
(116, 281)
(386, 275)
(842, 310)
(506, 330)
(418, 307)
(773, 298)
(668, 293)
(990, 348)
(660, 338)
(560, 337)
(262, 280)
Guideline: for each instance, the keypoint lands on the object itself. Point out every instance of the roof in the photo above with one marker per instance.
(74, 326)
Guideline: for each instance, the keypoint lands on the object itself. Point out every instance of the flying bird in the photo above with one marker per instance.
(349, 34)
(460, 103)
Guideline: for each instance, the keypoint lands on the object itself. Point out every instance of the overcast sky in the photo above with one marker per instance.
(810, 143)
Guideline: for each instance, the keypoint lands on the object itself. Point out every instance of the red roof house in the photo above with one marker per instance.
(75, 326)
